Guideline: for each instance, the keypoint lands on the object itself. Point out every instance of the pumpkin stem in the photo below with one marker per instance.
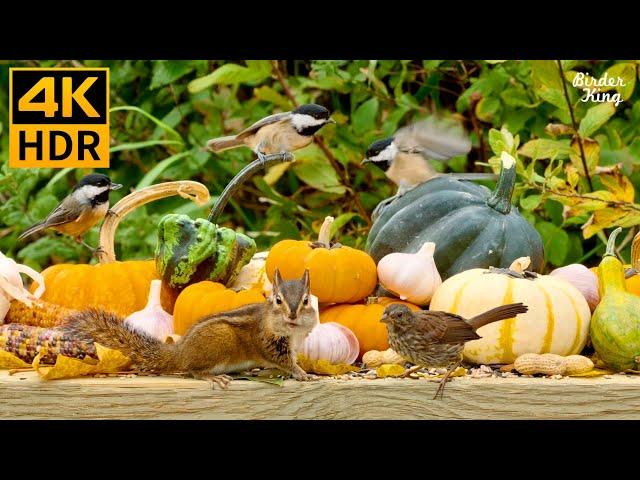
(428, 249)
(500, 199)
(324, 237)
(236, 182)
(194, 191)
(372, 300)
(635, 252)
(611, 243)
(520, 264)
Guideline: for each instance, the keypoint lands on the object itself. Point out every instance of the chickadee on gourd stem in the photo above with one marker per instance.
(405, 157)
(277, 134)
(86, 205)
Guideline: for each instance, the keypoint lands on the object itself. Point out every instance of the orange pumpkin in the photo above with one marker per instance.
(121, 287)
(206, 298)
(364, 321)
(338, 274)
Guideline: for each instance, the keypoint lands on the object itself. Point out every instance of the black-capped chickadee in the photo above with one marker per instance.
(405, 156)
(85, 206)
(279, 133)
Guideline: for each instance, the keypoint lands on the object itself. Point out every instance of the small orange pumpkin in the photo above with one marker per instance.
(206, 298)
(364, 321)
(120, 287)
(338, 274)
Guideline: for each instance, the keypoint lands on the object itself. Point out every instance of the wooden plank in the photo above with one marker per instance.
(26, 396)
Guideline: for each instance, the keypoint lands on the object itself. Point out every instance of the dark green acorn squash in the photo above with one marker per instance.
(471, 226)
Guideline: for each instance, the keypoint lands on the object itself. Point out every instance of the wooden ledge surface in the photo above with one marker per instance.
(25, 395)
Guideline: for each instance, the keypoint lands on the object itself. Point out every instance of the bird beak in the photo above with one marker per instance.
(384, 318)
(365, 160)
(331, 120)
(115, 186)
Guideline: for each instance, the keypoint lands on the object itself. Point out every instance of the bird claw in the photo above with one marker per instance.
(111, 213)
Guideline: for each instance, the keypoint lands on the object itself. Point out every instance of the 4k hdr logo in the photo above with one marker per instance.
(59, 117)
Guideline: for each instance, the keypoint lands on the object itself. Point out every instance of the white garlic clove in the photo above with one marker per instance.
(411, 276)
(152, 319)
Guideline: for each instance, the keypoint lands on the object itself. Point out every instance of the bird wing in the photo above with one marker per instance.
(445, 327)
(276, 117)
(436, 139)
(66, 212)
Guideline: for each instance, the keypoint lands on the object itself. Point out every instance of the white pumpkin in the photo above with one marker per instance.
(557, 320)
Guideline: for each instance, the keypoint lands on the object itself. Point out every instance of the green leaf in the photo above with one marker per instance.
(312, 167)
(168, 71)
(231, 74)
(364, 118)
(341, 221)
(595, 118)
(555, 241)
(625, 72)
(531, 202)
(487, 109)
(155, 120)
(268, 94)
(138, 145)
(546, 73)
(516, 97)
(496, 141)
(545, 148)
(554, 96)
(160, 167)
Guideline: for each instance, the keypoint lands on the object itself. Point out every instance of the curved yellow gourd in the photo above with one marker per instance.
(615, 327)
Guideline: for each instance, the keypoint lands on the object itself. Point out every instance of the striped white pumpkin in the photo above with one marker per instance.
(557, 320)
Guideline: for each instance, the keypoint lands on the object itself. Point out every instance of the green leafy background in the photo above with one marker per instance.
(163, 112)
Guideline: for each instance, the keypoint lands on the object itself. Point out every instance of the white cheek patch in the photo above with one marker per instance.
(301, 121)
(89, 192)
(386, 155)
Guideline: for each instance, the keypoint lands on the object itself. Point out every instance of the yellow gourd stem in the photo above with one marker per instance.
(611, 270)
(194, 191)
(324, 237)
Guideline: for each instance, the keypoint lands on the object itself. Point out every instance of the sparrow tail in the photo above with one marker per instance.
(499, 313)
(223, 143)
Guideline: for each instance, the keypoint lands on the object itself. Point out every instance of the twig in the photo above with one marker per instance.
(320, 142)
(575, 126)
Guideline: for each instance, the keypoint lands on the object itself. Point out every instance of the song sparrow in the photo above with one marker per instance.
(436, 339)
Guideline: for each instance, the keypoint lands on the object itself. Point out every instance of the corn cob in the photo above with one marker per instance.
(25, 341)
(39, 314)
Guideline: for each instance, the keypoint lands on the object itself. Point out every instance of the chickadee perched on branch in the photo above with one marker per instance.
(280, 133)
(86, 205)
(405, 156)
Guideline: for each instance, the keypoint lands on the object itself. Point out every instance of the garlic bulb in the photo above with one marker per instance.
(411, 276)
(583, 279)
(152, 319)
(11, 286)
(331, 342)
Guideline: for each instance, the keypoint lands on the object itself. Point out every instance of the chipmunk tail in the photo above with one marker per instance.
(109, 330)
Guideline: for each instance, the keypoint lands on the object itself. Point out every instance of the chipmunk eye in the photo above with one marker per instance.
(305, 301)
(279, 300)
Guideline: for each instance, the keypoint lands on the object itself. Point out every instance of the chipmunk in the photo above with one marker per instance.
(255, 335)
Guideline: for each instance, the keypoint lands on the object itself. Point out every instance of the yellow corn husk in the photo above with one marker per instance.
(39, 314)
(26, 341)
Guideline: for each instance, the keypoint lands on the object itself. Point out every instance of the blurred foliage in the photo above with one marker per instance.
(163, 112)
